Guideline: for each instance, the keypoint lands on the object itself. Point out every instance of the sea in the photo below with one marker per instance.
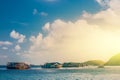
(82, 73)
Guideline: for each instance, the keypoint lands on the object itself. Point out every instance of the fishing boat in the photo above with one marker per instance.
(17, 65)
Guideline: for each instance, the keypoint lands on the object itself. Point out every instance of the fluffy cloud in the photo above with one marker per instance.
(17, 48)
(113, 4)
(5, 43)
(103, 3)
(93, 36)
(46, 27)
(18, 36)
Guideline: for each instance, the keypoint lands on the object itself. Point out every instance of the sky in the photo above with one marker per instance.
(39, 31)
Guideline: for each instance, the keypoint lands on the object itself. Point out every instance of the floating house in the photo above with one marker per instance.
(73, 64)
(17, 65)
(52, 65)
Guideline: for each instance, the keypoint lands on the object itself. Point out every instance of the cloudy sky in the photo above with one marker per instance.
(39, 31)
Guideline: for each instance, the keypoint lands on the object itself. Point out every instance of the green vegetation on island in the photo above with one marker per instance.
(114, 61)
(95, 62)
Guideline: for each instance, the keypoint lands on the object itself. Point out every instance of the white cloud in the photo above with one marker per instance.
(35, 11)
(104, 3)
(67, 41)
(43, 14)
(36, 40)
(5, 43)
(4, 48)
(18, 36)
(112, 4)
(20, 23)
(93, 36)
(17, 48)
(46, 27)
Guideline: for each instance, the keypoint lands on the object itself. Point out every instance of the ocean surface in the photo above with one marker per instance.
(87, 73)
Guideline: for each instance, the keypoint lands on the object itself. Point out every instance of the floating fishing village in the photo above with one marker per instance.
(23, 66)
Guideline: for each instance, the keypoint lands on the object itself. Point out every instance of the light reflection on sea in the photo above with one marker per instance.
(86, 73)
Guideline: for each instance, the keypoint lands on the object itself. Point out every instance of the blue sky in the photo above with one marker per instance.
(29, 27)
(15, 13)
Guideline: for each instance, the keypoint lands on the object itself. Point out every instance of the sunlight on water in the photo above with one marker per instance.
(107, 73)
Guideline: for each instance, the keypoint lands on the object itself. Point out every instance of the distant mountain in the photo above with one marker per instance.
(95, 62)
(114, 61)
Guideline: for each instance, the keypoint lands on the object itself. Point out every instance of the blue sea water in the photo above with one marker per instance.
(90, 73)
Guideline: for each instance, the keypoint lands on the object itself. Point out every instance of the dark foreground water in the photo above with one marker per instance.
(107, 73)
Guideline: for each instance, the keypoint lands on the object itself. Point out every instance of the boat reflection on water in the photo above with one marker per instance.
(17, 65)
